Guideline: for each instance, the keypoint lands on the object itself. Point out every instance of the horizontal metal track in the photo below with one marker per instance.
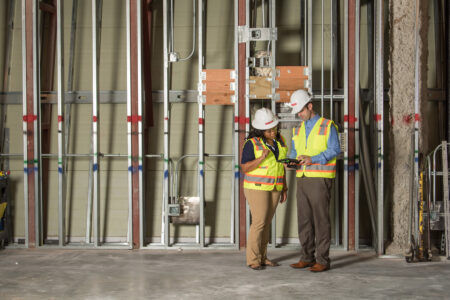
(182, 96)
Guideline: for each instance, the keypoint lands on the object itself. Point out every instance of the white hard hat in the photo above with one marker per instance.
(264, 119)
(299, 99)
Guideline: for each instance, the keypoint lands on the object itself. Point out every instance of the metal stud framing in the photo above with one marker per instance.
(241, 120)
(61, 130)
(379, 117)
(95, 129)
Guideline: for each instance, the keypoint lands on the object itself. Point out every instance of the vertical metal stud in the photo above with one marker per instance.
(356, 109)
(417, 91)
(61, 115)
(201, 122)
(310, 41)
(322, 71)
(346, 109)
(379, 48)
(165, 221)
(95, 127)
(247, 101)
(235, 204)
(140, 124)
(25, 124)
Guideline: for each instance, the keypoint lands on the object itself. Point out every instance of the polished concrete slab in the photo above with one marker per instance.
(156, 274)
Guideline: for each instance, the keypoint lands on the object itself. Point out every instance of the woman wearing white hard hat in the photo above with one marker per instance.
(264, 183)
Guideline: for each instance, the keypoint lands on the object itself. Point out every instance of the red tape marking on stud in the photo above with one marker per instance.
(200, 121)
(417, 117)
(134, 118)
(350, 119)
(29, 118)
(377, 118)
(60, 118)
(241, 120)
(94, 119)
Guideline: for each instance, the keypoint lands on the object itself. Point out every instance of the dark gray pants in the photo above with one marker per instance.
(314, 229)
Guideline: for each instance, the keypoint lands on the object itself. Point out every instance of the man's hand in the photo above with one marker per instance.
(305, 160)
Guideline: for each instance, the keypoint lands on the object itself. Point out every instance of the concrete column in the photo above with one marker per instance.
(401, 65)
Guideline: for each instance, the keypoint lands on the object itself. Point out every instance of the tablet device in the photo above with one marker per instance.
(288, 161)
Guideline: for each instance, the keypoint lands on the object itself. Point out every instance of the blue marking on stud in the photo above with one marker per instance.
(95, 167)
(166, 174)
(25, 170)
(60, 170)
(201, 173)
(140, 168)
(130, 169)
(416, 159)
(236, 174)
(36, 169)
(379, 165)
(357, 167)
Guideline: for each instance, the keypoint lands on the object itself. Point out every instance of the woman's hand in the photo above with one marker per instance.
(252, 165)
(283, 196)
(264, 154)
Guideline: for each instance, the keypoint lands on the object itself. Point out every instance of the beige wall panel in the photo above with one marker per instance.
(3, 16)
(15, 79)
(113, 204)
(14, 123)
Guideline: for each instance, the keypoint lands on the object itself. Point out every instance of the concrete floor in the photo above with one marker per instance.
(144, 274)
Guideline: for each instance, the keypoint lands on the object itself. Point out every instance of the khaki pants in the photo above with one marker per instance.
(262, 207)
(314, 229)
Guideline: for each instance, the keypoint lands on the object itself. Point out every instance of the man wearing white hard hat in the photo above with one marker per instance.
(264, 183)
(315, 144)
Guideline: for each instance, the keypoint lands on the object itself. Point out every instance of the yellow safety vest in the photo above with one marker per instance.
(317, 143)
(269, 173)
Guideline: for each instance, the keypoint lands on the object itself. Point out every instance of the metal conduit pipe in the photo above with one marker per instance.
(193, 33)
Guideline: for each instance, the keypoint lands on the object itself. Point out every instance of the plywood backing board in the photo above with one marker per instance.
(217, 99)
(260, 87)
(217, 89)
(292, 72)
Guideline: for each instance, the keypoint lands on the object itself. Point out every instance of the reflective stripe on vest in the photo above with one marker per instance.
(259, 146)
(263, 179)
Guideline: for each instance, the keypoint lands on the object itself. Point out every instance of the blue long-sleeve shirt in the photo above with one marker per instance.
(333, 147)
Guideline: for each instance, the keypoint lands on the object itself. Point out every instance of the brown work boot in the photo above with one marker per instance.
(302, 264)
(319, 268)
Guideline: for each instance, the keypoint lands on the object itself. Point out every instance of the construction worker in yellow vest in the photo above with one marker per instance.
(315, 144)
(264, 183)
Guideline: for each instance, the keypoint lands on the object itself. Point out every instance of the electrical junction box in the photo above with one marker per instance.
(174, 210)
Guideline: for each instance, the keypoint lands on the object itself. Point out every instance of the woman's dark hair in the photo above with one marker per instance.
(260, 133)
